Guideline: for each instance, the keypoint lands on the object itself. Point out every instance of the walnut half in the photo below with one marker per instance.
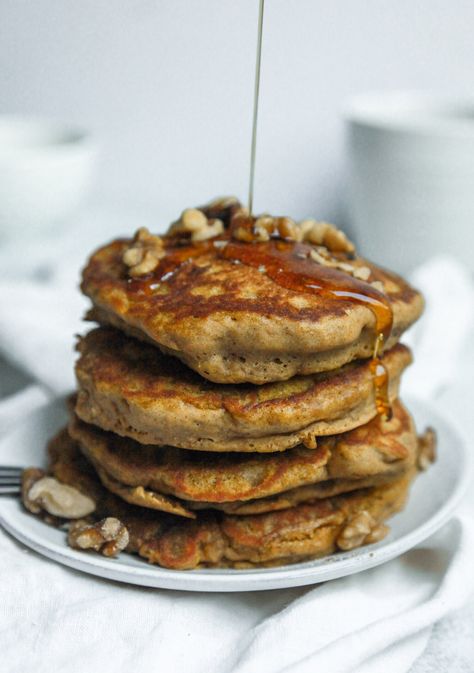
(108, 536)
(43, 493)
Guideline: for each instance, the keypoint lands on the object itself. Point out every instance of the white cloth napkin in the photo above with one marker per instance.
(56, 619)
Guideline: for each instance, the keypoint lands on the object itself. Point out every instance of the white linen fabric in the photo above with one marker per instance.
(413, 613)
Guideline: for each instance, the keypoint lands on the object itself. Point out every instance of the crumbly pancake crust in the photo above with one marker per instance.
(241, 483)
(232, 323)
(130, 388)
(219, 540)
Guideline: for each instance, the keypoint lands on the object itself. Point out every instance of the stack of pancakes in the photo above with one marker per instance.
(227, 418)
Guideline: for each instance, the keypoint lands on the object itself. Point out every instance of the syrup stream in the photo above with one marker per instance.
(256, 95)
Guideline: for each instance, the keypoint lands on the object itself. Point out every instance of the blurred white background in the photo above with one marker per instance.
(167, 86)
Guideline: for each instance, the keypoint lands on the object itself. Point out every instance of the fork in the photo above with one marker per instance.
(10, 480)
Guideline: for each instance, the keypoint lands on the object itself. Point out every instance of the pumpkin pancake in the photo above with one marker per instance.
(371, 454)
(227, 310)
(219, 540)
(130, 388)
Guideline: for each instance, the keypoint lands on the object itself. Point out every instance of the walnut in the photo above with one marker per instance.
(378, 285)
(29, 477)
(321, 255)
(144, 254)
(194, 224)
(344, 266)
(316, 232)
(362, 273)
(108, 536)
(193, 219)
(378, 533)
(43, 493)
(211, 230)
(323, 233)
(261, 234)
(287, 228)
(266, 222)
(356, 531)
(336, 240)
(243, 234)
(317, 256)
(305, 227)
(426, 448)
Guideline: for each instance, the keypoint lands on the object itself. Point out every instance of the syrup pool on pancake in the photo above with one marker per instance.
(267, 244)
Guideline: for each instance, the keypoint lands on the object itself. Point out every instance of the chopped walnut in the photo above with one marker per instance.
(315, 231)
(316, 256)
(305, 227)
(193, 220)
(336, 240)
(321, 255)
(378, 533)
(43, 493)
(311, 231)
(287, 228)
(378, 285)
(195, 224)
(348, 268)
(323, 233)
(214, 228)
(362, 273)
(265, 226)
(356, 531)
(261, 234)
(245, 235)
(144, 254)
(108, 536)
(426, 448)
(266, 222)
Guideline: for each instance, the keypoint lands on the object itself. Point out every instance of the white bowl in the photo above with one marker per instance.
(45, 171)
(412, 176)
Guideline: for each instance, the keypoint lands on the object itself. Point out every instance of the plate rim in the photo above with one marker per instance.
(255, 579)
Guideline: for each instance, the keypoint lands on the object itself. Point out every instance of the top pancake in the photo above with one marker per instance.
(232, 322)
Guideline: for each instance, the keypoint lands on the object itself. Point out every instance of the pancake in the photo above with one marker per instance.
(146, 475)
(130, 388)
(219, 540)
(232, 322)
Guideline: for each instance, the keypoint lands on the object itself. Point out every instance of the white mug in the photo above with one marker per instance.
(45, 173)
(411, 177)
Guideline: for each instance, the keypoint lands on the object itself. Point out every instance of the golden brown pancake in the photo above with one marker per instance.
(130, 388)
(219, 540)
(240, 483)
(235, 322)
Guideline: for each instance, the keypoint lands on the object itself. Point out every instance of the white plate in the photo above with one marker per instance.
(433, 498)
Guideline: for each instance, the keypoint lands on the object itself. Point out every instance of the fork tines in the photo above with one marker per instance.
(10, 479)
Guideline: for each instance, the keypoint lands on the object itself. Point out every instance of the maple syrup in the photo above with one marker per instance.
(381, 381)
(289, 264)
